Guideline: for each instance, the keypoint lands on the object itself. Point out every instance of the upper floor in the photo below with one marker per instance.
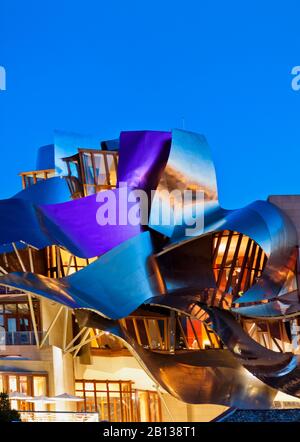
(87, 171)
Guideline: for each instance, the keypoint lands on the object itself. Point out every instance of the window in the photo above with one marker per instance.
(15, 323)
(99, 170)
(148, 406)
(156, 333)
(30, 384)
(117, 401)
(237, 263)
(91, 171)
(61, 263)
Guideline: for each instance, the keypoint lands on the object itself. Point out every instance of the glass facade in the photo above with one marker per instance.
(237, 264)
(91, 171)
(118, 401)
(29, 384)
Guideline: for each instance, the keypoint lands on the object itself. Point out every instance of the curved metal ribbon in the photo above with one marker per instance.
(278, 370)
(190, 166)
(113, 290)
(39, 215)
(195, 377)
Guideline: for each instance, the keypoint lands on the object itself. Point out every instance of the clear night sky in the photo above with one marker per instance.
(106, 66)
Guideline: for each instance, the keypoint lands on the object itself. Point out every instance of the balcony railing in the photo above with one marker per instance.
(58, 416)
(19, 338)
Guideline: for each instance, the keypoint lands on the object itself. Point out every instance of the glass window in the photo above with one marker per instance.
(11, 324)
(40, 389)
(74, 169)
(89, 386)
(12, 383)
(100, 169)
(143, 406)
(23, 384)
(24, 324)
(113, 386)
(39, 385)
(90, 189)
(88, 168)
(112, 170)
(117, 402)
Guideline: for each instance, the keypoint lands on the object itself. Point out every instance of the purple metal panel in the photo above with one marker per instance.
(142, 158)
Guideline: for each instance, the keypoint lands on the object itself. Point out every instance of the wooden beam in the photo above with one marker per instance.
(84, 342)
(136, 329)
(65, 329)
(75, 339)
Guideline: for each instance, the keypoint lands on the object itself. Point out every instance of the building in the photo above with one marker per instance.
(167, 328)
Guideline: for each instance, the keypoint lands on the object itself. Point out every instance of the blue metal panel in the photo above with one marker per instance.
(115, 284)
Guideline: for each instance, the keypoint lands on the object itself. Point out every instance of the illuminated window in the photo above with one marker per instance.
(61, 263)
(117, 401)
(12, 383)
(30, 384)
(237, 263)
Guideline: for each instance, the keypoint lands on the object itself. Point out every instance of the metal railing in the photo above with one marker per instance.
(58, 416)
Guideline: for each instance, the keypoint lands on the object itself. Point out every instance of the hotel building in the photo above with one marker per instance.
(45, 350)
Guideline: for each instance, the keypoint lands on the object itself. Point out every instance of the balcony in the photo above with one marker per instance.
(30, 178)
(19, 338)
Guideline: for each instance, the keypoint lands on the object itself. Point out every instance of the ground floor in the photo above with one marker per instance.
(114, 389)
(110, 387)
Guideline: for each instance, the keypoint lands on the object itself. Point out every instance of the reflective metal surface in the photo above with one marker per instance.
(287, 305)
(195, 377)
(189, 167)
(253, 356)
(278, 370)
(72, 225)
(188, 264)
(164, 266)
(142, 158)
(114, 290)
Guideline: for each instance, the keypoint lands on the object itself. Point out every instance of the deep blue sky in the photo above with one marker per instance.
(106, 66)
